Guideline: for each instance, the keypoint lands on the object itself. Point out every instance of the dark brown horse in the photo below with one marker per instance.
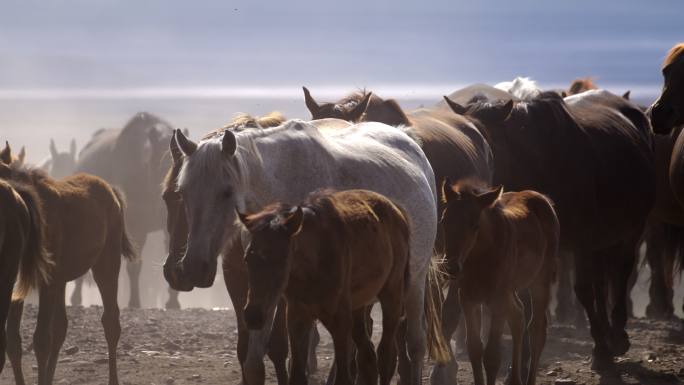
(593, 155)
(22, 257)
(135, 159)
(499, 247)
(454, 147)
(332, 257)
(234, 267)
(84, 230)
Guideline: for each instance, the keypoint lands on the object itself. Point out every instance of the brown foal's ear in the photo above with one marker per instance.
(626, 94)
(6, 154)
(487, 199)
(243, 217)
(457, 108)
(448, 193)
(311, 104)
(360, 109)
(293, 222)
(187, 146)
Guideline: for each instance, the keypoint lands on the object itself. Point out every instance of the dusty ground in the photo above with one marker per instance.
(197, 346)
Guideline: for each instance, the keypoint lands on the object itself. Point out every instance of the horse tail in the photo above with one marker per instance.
(128, 249)
(36, 263)
(673, 237)
(438, 346)
(543, 208)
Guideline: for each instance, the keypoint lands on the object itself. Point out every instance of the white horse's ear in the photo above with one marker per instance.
(229, 143)
(176, 153)
(72, 148)
(187, 146)
(53, 149)
(22, 155)
(311, 103)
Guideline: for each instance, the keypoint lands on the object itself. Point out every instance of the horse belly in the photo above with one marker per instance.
(372, 263)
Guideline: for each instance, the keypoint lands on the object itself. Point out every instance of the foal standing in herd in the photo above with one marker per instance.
(332, 257)
(84, 229)
(498, 246)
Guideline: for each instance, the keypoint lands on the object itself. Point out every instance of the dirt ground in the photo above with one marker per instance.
(197, 346)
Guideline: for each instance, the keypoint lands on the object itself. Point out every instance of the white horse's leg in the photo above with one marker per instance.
(416, 335)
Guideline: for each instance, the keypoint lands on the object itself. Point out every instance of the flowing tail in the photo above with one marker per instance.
(36, 264)
(438, 347)
(128, 249)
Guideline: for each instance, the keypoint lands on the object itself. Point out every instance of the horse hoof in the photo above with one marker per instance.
(172, 304)
(601, 361)
(619, 343)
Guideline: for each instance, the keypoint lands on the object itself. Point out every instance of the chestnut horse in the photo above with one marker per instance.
(84, 229)
(22, 257)
(7, 157)
(234, 267)
(331, 257)
(499, 246)
(592, 154)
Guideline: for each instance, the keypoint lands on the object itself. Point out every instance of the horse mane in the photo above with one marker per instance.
(523, 88)
(36, 264)
(580, 85)
(674, 54)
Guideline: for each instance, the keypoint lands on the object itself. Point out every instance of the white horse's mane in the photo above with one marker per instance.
(523, 88)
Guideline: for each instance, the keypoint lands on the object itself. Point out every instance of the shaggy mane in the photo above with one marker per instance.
(674, 54)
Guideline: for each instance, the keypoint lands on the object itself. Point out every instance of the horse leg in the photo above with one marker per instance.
(445, 374)
(392, 304)
(42, 337)
(587, 275)
(106, 275)
(299, 323)
(235, 279)
(134, 268)
(366, 360)
(5, 300)
(541, 297)
(472, 315)
(278, 348)
(76, 295)
(492, 353)
(565, 307)
(660, 295)
(416, 338)
(516, 323)
(339, 326)
(314, 339)
(59, 329)
(622, 266)
(14, 347)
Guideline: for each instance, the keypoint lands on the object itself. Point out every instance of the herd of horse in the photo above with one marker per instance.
(316, 220)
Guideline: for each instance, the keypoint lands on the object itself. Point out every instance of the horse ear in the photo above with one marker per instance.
(53, 149)
(626, 94)
(488, 198)
(22, 155)
(293, 223)
(243, 217)
(176, 153)
(186, 132)
(448, 193)
(311, 103)
(72, 148)
(564, 94)
(360, 109)
(229, 143)
(187, 146)
(6, 154)
(457, 108)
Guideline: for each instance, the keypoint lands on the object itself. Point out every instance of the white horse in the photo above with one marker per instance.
(250, 169)
(60, 164)
(522, 88)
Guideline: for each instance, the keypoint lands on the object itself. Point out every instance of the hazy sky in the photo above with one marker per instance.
(91, 43)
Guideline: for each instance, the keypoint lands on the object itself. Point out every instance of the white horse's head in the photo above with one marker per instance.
(212, 182)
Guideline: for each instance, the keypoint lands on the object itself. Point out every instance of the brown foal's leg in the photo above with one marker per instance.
(42, 338)
(366, 360)
(492, 354)
(299, 322)
(541, 297)
(516, 322)
(14, 347)
(106, 275)
(392, 310)
(340, 327)
(59, 329)
(471, 313)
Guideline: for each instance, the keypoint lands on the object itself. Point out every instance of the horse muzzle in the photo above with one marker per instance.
(200, 272)
(173, 274)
